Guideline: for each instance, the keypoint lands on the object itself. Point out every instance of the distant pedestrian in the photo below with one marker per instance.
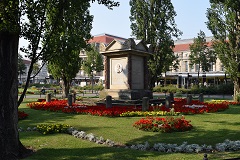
(43, 90)
(55, 92)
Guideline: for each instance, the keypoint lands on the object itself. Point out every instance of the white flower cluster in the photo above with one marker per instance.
(194, 106)
(228, 145)
(91, 137)
(20, 129)
(142, 147)
(170, 148)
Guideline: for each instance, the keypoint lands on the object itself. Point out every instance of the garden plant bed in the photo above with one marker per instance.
(209, 129)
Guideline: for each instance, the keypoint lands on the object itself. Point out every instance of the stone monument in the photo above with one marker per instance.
(125, 69)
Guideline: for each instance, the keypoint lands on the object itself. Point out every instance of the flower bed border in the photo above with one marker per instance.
(227, 145)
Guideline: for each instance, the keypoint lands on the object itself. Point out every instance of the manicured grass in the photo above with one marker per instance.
(209, 128)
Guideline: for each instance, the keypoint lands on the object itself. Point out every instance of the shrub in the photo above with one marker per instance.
(217, 89)
(52, 128)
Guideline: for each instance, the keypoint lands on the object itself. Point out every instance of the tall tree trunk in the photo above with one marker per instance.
(10, 146)
(236, 89)
(165, 79)
(65, 87)
(198, 79)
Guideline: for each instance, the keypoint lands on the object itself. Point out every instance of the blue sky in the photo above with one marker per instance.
(190, 19)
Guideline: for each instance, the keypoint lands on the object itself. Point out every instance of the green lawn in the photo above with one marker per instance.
(209, 128)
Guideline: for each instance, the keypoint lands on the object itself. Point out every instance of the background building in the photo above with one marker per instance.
(41, 77)
(185, 76)
(101, 39)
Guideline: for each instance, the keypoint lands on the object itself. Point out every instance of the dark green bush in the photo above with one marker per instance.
(217, 89)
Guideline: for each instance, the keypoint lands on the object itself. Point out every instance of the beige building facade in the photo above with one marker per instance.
(186, 76)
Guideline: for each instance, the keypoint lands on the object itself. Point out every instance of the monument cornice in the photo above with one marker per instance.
(125, 52)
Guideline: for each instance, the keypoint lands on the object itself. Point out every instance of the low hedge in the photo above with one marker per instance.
(217, 89)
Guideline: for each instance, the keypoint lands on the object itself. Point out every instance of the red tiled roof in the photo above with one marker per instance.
(185, 47)
(181, 47)
(105, 38)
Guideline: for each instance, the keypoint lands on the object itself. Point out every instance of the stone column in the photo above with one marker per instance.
(74, 97)
(107, 72)
(108, 101)
(200, 98)
(145, 104)
(171, 96)
(168, 102)
(70, 99)
(48, 97)
(189, 99)
(129, 71)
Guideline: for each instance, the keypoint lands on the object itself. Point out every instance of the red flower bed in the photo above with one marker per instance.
(61, 105)
(179, 106)
(168, 124)
(22, 115)
(196, 107)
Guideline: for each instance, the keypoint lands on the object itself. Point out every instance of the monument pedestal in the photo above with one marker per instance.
(127, 94)
(126, 69)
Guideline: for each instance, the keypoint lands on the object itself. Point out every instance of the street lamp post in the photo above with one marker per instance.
(92, 81)
(92, 76)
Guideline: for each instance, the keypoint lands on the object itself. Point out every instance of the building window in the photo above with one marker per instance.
(97, 46)
(181, 55)
(186, 66)
(82, 52)
(192, 68)
(211, 66)
(197, 68)
(222, 68)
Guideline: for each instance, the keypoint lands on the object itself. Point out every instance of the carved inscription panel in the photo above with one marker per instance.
(118, 73)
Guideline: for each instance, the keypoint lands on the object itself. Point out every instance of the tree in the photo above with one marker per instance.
(34, 25)
(153, 21)
(224, 23)
(10, 146)
(21, 66)
(67, 40)
(93, 62)
(65, 67)
(201, 55)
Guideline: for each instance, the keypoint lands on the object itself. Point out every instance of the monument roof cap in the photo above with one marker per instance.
(129, 45)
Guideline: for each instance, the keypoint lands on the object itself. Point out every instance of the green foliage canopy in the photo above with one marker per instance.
(153, 21)
(67, 39)
(201, 54)
(93, 61)
(224, 23)
(21, 65)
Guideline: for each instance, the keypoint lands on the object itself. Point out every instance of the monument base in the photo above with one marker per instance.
(126, 94)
